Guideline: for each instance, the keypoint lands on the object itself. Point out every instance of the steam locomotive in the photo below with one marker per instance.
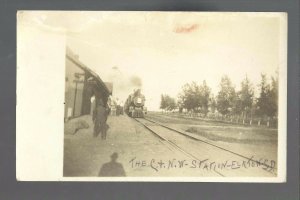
(135, 105)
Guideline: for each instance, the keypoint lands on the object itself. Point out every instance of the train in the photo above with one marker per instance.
(135, 105)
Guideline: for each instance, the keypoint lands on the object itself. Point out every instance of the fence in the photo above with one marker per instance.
(255, 121)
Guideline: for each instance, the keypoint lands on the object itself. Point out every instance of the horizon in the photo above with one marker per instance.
(165, 50)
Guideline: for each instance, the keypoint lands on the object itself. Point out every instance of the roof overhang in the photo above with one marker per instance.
(89, 73)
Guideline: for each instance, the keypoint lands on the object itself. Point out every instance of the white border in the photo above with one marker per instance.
(39, 123)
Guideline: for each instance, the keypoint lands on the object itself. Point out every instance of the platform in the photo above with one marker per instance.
(140, 152)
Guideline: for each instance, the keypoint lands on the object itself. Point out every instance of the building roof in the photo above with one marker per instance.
(109, 85)
(74, 58)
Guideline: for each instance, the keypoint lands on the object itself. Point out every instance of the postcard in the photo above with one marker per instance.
(151, 96)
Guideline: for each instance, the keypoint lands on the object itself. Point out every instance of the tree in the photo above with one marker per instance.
(163, 103)
(195, 97)
(212, 104)
(167, 103)
(171, 103)
(244, 99)
(263, 99)
(273, 97)
(204, 97)
(190, 97)
(237, 104)
(226, 96)
(180, 104)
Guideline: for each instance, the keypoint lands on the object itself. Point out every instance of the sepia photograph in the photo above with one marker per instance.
(157, 96)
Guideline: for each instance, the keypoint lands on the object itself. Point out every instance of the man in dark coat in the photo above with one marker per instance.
(99, 118)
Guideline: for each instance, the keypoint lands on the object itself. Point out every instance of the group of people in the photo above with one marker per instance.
(116, 107)
(100, 115)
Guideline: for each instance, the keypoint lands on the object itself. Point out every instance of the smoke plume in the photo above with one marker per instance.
(136, 81)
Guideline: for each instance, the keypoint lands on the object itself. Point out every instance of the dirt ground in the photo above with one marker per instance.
(260, 142)
(139, 153)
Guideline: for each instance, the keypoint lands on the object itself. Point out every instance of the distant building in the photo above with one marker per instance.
(82, 87)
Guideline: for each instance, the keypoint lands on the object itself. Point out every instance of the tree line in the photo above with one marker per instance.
(198, 98)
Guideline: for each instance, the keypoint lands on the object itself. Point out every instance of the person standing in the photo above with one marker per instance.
(121, 108)
(99, 118)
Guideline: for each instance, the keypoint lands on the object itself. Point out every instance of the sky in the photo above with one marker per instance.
(161, 51)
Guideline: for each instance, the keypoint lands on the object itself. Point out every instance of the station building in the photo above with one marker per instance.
(83, 88)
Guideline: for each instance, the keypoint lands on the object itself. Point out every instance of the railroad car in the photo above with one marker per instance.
(135, 105)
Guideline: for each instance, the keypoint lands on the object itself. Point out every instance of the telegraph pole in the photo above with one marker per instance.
(76, 81)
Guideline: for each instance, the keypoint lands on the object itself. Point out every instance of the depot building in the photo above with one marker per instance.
(83, 88)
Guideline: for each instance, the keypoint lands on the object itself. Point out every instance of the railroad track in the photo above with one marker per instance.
(170, 143)
(167, 141)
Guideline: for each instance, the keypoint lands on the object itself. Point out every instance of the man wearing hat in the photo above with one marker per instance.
(112, 168)
(99, 118)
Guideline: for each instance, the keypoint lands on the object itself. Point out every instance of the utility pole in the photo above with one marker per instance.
(76, 81)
